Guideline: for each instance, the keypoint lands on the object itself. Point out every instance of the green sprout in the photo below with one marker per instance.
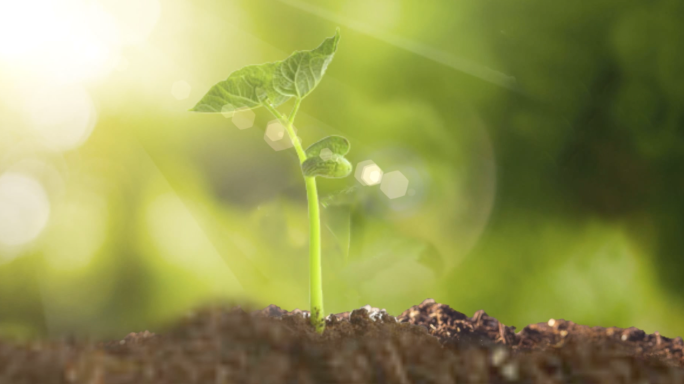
(270, 85)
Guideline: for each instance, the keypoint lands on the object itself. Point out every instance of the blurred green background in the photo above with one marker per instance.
(543, 143)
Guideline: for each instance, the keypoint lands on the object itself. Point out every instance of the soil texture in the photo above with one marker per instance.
(428, 343)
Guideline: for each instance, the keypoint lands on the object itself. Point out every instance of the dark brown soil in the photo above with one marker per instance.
(428, 343)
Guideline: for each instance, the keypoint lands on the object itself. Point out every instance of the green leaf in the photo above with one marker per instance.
(300, 73)
(336, 167)
(337, 145)
(325, 158)
(272, 83)
(247, 87)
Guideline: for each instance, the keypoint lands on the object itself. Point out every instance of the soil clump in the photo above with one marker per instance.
(428, 343)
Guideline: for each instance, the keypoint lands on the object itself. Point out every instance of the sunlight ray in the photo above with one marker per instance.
(198, 223)
(455, 62)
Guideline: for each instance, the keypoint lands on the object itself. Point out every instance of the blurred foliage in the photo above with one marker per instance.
(559, 197)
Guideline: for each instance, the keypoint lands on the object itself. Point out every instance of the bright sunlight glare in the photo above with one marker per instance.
(72, 40)
(136, 18)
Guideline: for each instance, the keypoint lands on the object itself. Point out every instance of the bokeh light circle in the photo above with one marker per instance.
(181, 90)
(394, 184)
(243, 118)
(368, 173)
(24, 209)
(46, 172)
(63, 116)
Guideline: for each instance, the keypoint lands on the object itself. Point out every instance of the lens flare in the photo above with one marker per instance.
(243, 118)
(368, 173)
(394, 184)
(276, 136)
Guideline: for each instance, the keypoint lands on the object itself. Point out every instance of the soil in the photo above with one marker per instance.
(428, 343)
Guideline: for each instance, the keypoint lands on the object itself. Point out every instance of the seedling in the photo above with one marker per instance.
(270, 85)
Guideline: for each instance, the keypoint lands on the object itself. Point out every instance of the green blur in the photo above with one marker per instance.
(543, 143)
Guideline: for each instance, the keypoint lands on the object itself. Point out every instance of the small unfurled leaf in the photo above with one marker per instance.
(334, 168)
(300, 73)
(245, 88)
(336, 145)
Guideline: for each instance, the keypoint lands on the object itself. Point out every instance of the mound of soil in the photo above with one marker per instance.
(428, 343)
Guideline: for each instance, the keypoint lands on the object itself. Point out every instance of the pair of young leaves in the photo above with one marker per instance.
(275, 83)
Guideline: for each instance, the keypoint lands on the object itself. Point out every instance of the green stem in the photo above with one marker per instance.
(315, 279)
